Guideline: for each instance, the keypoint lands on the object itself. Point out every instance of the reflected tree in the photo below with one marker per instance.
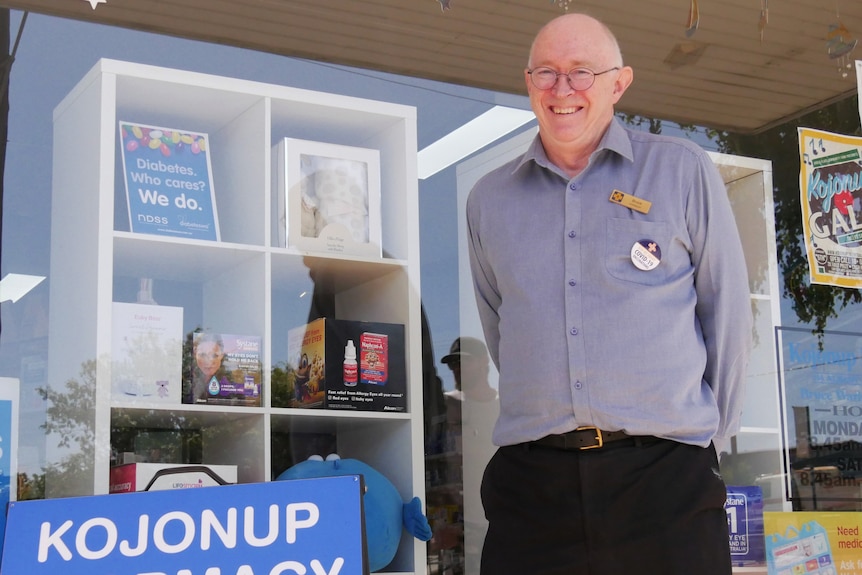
(283, 378)
(31, 486)
(654, 125)
(814, 304)
(70, 421)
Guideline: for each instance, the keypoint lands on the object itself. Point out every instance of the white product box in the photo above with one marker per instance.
(147, 353)
(164, 476)
(328, 197)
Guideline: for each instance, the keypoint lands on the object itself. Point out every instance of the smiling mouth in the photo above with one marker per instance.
(562, 111)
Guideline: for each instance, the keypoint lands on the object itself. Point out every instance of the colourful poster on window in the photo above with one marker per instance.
(810, 543)
(831, 200)
(169, 185)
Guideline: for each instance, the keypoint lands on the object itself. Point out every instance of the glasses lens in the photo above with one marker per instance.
(543, 78)
(581, 79)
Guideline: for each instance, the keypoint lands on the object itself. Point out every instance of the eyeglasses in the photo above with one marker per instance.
(580, 79)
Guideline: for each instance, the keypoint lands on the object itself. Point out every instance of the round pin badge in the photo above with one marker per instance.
(646, 255)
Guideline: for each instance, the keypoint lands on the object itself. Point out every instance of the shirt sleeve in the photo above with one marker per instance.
(723, 298)
(488, 296)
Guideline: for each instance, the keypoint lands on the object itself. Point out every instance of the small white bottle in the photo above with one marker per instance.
(351, 368)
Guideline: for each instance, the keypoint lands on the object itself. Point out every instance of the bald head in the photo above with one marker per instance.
(569, 27)
(573, 120)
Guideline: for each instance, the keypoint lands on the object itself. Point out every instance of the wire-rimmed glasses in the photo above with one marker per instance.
(579, 79)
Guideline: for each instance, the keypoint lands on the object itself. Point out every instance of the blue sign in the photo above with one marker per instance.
(744, 508)
(298, 527)
(168, 182)
(5, 462)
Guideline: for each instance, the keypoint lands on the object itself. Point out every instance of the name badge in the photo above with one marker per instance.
(632, 202)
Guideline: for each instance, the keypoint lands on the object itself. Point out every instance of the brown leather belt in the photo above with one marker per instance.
(584, 438)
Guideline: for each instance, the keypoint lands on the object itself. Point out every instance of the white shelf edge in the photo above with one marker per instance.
(289, 251)
(137, 237)
(250, 87)
(190, 407)
(337, 414)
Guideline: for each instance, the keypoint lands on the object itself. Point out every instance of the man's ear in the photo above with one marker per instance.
(623, 80)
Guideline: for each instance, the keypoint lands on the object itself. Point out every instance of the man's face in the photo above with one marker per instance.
(470, 371)
(474, 371)
(571, 123)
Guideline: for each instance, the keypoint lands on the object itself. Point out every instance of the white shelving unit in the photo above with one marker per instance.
(244, 284)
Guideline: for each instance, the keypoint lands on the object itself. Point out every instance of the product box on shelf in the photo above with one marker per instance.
(146, 353)
(225, 370)
(163, 476)
(328, 197)
(353, 365)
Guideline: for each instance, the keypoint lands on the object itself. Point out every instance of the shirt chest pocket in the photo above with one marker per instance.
(638, 265)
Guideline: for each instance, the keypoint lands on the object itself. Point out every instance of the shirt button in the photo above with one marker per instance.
(578, 385)
(573, 187)
(572, 283)
(573, 331)
(572, 234)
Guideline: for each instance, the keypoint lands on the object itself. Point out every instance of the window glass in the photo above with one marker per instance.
(56, 452)
(59, 452)
(818, 344)
(69, 49)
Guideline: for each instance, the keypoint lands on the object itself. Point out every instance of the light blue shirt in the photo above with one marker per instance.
(581, 335)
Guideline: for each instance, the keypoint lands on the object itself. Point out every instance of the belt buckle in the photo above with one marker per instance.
(599, 439)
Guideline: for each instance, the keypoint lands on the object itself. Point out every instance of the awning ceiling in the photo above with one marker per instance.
(726, 74)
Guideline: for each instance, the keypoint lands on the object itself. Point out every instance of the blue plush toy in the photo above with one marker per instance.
(385, 512)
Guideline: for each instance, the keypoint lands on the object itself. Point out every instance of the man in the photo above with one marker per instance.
(472, 409)
(468, 360)
(612, 291)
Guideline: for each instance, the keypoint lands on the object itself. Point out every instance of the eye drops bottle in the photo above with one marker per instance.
(351, 368)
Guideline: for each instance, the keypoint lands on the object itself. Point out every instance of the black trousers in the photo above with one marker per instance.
(651, 509)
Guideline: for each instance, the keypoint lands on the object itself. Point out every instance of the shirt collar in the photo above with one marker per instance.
(616, 139)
